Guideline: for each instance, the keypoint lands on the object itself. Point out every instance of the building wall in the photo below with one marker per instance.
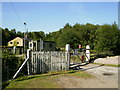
(33, 45)
(16, 42)
(48, 46)
(38, 46)
(44, 46)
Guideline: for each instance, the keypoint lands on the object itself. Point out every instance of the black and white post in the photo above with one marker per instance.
(87, 53)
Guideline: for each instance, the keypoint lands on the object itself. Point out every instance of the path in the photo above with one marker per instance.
(105, 77)
(108, 60)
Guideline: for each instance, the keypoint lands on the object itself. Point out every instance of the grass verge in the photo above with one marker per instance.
(112, 65)
(47, 80)
(81, 74)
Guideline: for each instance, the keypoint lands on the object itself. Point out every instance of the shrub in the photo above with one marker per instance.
(10, 64)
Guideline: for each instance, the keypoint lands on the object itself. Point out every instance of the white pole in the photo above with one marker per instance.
(28, 62)
(67, 48)
(14, 49)
(20, 68)
(22, 64)
(87, 53)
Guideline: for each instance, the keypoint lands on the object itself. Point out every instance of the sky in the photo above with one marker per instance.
(51, 16)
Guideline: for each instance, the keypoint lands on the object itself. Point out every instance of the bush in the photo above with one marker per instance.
(108, 39)
(10, 64)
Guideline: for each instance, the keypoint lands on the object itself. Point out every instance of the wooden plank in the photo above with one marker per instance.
(38, 69)
(39, 56)
(31, 62)
(34, 62)
(49, 61)
(40, 62)
(64, 62)
(45, 61)
(59, 62)
(37, 62)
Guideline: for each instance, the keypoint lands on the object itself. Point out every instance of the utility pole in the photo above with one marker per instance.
(24, 38)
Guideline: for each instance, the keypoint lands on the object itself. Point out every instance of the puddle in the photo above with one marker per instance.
(108, 74)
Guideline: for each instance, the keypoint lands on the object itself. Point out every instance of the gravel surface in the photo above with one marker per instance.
(105, 77)
(108, 60)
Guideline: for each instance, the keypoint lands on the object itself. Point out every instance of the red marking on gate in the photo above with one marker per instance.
(80, 46)
(82, 57)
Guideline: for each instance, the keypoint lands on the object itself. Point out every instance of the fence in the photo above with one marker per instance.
(41, 62)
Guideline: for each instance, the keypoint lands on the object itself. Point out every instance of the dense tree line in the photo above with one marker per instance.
(8, 35)
(102, 38)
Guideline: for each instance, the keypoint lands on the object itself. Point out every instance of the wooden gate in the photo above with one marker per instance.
(41, 62)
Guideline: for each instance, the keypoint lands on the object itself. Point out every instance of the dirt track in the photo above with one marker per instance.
(108, 60)
(105, 77)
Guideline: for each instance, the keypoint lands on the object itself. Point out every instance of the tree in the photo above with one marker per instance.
(67, 25)
(36, 35)
(8, 35)
(108, 39)
(68, 37)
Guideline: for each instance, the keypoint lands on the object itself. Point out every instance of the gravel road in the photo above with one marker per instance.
(105, 77)
(109, 60)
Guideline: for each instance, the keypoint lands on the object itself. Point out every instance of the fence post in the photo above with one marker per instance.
(87, 53)
(67, 47)
(26, 60)
(29, 61)
(14, 49)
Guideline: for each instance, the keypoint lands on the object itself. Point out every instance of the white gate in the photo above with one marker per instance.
(41, 62)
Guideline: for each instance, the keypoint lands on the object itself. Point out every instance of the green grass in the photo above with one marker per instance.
(81, 74)
(76, 59)
(47, 80)
(107, 64)
(37, 81)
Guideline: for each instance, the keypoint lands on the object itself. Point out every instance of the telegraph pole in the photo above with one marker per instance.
(24, 37)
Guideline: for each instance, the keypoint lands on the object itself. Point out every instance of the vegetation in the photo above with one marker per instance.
(108, 65)
(108, 39)
(10, 64)
(102, 38)
(48, 80)
(80, 74)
